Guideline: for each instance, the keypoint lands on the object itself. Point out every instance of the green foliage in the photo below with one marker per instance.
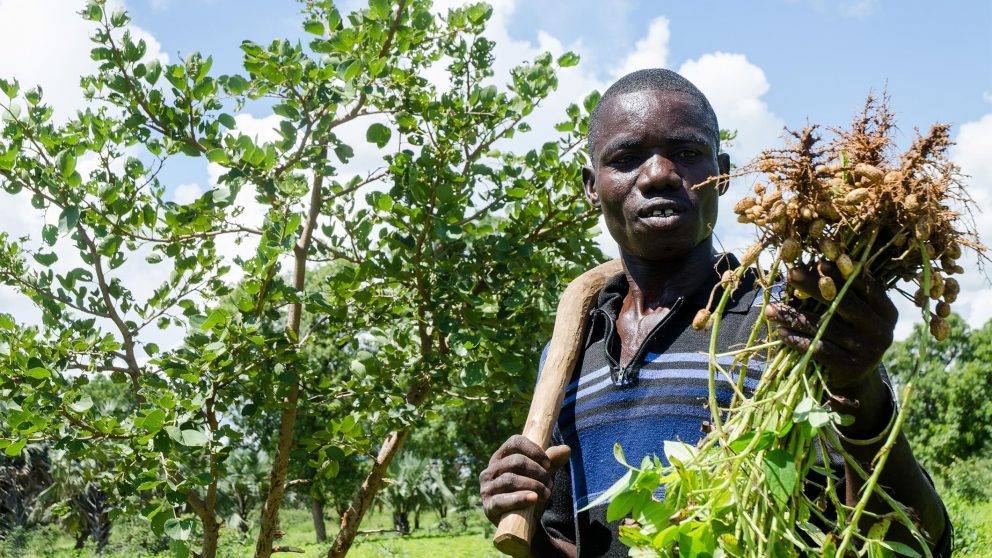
(950, 416)
(446, 261)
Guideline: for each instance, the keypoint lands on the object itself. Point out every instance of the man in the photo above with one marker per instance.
(652, 139)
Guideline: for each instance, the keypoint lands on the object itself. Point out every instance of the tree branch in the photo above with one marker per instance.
(108, 301)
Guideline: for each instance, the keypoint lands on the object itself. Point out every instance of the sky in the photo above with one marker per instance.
(764, 64)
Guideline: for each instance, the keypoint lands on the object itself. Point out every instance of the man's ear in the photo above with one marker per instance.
(724, 161)
(589, 185)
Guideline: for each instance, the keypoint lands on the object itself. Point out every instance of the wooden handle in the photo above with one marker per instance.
(515, 528)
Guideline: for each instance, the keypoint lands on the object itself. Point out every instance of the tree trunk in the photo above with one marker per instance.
(277, 479)
(401, 522)
(211, 536)
(365, 496)
(317, 512)
(416, 520)
(363, 499)
(81, 539)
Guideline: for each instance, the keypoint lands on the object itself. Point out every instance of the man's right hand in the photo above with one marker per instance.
(519, 475)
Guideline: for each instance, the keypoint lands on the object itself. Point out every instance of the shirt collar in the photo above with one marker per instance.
(616, 288)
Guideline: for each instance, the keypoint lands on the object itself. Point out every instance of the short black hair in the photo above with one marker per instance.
(652, 79)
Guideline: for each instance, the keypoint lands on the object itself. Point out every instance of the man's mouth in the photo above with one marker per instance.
(666, 212)
(665, 208)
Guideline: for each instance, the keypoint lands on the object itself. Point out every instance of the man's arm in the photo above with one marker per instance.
(850, 352)
(903, 477)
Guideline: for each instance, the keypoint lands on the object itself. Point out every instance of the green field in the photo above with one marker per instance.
(974, 521)
(130, 539)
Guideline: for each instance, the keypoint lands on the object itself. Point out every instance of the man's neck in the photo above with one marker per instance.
(657, 284)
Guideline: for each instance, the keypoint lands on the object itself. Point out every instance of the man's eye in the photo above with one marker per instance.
(688, 154)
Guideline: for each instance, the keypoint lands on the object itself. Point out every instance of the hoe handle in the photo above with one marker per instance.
(516, 527)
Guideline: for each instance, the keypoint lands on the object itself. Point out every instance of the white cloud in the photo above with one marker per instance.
(47, 43)
(649, 52)
(187, 193)
(974, 143)
(735, 88)
(854, 9)
(858, 9)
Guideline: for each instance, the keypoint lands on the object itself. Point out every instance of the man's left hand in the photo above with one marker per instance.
(859, 332)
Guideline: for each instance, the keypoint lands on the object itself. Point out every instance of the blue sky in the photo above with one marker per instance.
(820, 57)
(763, 63)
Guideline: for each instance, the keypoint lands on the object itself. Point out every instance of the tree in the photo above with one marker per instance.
(22, 479)
(949, 416)
(450, 256)
(78, 499)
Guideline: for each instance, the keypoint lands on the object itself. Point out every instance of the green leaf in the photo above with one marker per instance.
(216, 317)
(38, 373)
(379, 8)
(680, 451)
(50, 234)
(900, 548)
(313, 26)
(153, 70)
(591, 101)
(7, 321)
(405, 120)
(93, 12)
(808, 410)
(193, 438)
(174, 432)
(344, 152)
(217, 156)
(622, 504)
(479, 12)
(154, 420)
(227, 121)
(110, 245)
(568, 59)
(14, 449)
(46, 259)
(765, 438)
(622, 484)
(378, 134)
(383, 202)
(66, 161)
(352, 71)
(377, 66)
(68, 218)
(696, 539)
(178, 529)
(780, 474)
(82, 405)
(148, 485)
(9, 88)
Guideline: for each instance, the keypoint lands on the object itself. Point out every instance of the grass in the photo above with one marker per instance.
(130, 538)
(472, 538)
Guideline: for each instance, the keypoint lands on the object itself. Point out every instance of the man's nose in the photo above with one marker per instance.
(658, 173)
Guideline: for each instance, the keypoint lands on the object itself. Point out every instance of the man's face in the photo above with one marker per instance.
(652, 149)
